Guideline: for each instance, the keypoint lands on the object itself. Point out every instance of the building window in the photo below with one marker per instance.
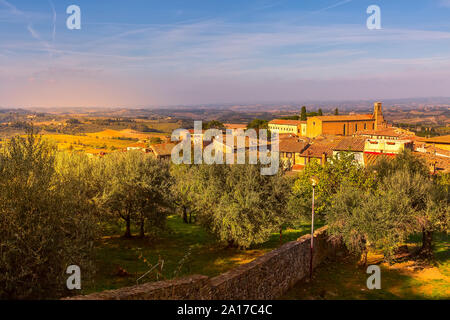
(344, 129)
(356, 127)
(373, 126)
(365, 126)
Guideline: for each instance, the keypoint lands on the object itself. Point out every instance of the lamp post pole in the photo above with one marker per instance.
(312, 236)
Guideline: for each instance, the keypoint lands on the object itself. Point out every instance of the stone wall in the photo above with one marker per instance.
(189, 288)
(267, 277)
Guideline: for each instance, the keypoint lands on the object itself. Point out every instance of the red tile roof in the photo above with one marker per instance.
(442, 163)
(351, 144)
(163, 149)
(287, 122)
(371, 159)
(317, 149)
(355, 117)
(235, 126)
(386, 132)
(292, 145)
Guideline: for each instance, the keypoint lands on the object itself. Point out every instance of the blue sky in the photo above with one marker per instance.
(146, 53)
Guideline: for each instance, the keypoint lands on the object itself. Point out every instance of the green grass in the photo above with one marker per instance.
(343, 279)
(207, 256)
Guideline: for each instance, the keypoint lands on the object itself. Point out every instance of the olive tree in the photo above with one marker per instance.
(239, 205)
(46, 221)
(137, 190)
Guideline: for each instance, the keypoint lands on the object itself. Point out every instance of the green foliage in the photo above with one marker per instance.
(213, 124)
(403, 200)
(338, 171)
(336, 112)
(303, 116)
(46, 219)
(320, 113)
(381, 218)
(183, 189)
(238, 204)
(73, 121)
(405, 161)
(258, 124)
(291, 118)
(155, 140)
(136, 189)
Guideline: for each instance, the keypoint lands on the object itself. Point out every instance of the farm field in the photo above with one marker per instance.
(404, 279)
(104, 141)
(185, 248)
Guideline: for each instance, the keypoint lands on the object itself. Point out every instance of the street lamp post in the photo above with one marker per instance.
(314, 183)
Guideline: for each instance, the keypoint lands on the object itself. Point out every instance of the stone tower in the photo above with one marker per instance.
(378, 116)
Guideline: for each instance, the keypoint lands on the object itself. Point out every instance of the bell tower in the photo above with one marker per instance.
(378, 116)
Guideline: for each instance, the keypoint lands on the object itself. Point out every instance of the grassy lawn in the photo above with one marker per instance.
(408, 279)
(190, 243)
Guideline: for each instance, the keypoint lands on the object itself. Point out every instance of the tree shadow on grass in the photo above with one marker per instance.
(344, 280)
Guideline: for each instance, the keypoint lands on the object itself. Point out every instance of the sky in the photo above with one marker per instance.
(141, 53)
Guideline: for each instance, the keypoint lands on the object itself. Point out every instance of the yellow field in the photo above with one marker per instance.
(99, 141)
(127, 133)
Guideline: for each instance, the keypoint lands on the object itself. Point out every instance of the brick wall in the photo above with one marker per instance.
(267, 277)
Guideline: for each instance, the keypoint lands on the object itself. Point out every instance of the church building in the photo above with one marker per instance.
(346, 125)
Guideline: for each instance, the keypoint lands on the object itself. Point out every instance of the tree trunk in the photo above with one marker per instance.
(427, 244)
(363, 260)
(281, 236)
(190, 216)
(231, 244)
(142, 231)
(128, 228)
(185, 215)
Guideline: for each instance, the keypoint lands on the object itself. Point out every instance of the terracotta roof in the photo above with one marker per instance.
(441, 139)
(351, 144)
(287, 122)
(371, 159)
(287, 136)
(235, 126)
(355, 117)
(316, 150)
(431, 149)
(387, 132)
(442, 163)
(292, 145)
(163, 149)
